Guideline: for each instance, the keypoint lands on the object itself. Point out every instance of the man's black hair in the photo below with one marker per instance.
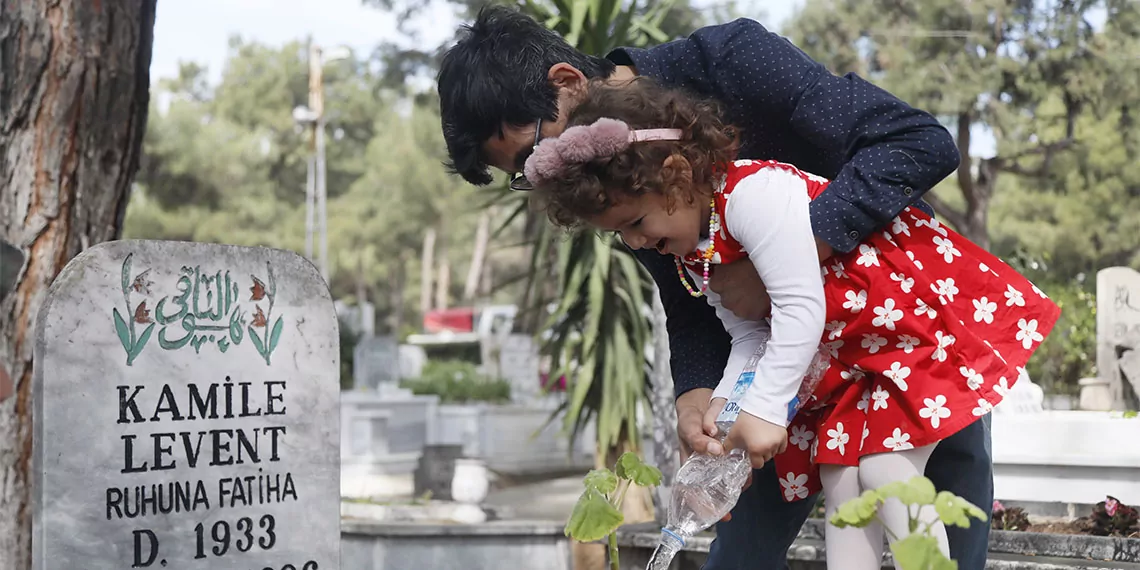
(497, 74)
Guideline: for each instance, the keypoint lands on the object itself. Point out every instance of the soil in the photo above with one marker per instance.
(1079, 526)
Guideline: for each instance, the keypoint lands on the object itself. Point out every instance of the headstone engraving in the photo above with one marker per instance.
(375, 361)
(1117, 318)
(186, 412)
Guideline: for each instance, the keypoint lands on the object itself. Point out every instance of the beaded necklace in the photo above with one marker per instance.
(706, 255)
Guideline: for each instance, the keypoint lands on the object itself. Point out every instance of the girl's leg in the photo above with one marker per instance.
(882, 468)
(849, 548)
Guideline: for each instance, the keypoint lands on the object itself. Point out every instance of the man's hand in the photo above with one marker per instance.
(691, 430)
(697, 430)
(761, 439)
(741, 290)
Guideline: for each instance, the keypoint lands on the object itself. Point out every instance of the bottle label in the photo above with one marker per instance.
(793, 408)
(732, 408)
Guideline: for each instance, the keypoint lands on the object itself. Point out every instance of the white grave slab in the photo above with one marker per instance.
(186, 412)
(1117, 317)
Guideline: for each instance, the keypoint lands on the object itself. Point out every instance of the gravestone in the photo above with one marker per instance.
(375, 361)
(1117, 318)
(518, 364)
(1025, 397)
(412, 360)
(186, 412)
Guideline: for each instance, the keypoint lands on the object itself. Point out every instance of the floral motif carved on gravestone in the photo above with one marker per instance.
(208, 309)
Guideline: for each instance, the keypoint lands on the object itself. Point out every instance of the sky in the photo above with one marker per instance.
(199, 31)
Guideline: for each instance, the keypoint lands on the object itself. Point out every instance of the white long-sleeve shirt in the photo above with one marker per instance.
(767, 213)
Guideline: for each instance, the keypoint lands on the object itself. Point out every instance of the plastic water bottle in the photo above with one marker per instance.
(707, 486)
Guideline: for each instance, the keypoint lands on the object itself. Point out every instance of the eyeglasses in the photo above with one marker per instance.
(518, 181)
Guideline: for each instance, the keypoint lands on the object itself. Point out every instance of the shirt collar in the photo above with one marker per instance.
(640, 59)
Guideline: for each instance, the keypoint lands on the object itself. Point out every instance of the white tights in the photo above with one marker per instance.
(862, 548)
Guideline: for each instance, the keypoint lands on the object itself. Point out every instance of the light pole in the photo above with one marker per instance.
(316, 197)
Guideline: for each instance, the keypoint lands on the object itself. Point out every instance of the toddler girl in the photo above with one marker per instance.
(926, 331)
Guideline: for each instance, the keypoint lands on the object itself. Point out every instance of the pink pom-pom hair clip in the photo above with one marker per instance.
(584, 143)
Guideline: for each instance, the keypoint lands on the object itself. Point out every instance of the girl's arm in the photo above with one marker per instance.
(768, 214)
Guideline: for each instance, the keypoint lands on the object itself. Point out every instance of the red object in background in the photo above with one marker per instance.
(558, 386)
(450, 320)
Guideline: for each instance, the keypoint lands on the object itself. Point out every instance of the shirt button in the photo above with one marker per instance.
(853, 234)
(908, 191)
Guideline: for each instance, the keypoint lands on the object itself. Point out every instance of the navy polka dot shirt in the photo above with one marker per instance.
(881, 154)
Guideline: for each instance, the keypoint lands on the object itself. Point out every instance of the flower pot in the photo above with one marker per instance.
(471, 481)
(1096, 394)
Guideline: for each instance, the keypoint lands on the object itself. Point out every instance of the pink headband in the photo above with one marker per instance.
(604, 138)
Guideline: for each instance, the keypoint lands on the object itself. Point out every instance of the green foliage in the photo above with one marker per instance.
(1058, 95)
(630, 466)
(919, 549)
(226, 163)
(348, 340)
(602, 480)
(1068, 354)
(593, 517)
(458, 382)
(597, 514)
(598, 330)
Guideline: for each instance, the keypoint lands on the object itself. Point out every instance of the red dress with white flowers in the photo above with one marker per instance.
(927, 332)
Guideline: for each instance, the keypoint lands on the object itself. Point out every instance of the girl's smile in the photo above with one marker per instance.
(647, 222)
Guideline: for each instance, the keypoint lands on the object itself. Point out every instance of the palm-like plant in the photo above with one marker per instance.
(598, 332)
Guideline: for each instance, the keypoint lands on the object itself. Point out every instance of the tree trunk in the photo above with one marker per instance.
(427, 270)
(977, 190)
(73, 93)
(443, 287)
(478, 255)
(396, 292)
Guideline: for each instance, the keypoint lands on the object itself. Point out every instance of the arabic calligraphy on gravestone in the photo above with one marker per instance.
(187, 412)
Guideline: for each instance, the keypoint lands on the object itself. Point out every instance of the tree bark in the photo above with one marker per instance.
(977, 190)
(74, 93)
(443, 287)
(427, 271)
(478, 255)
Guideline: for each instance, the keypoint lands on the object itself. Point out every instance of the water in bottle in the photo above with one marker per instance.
(707, 486)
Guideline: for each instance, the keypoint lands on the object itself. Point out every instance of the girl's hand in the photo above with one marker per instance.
(761, 439)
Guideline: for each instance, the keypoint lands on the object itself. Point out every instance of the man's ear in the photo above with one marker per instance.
(566, 76)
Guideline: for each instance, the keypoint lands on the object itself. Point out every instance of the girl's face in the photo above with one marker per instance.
(645, 222)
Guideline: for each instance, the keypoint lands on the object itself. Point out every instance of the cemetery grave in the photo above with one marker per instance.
(186, 412)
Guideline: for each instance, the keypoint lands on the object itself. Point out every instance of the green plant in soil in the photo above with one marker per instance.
(597, 514)
(458, 382)
(1110, 517)
(919, 550)
(1013, 518)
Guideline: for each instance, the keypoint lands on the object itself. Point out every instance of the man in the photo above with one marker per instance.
(509, 82)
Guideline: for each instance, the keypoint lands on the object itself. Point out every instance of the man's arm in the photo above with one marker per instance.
(698, 343)
(887, 154)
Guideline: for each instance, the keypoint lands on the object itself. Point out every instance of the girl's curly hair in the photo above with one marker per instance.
(588, 189)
